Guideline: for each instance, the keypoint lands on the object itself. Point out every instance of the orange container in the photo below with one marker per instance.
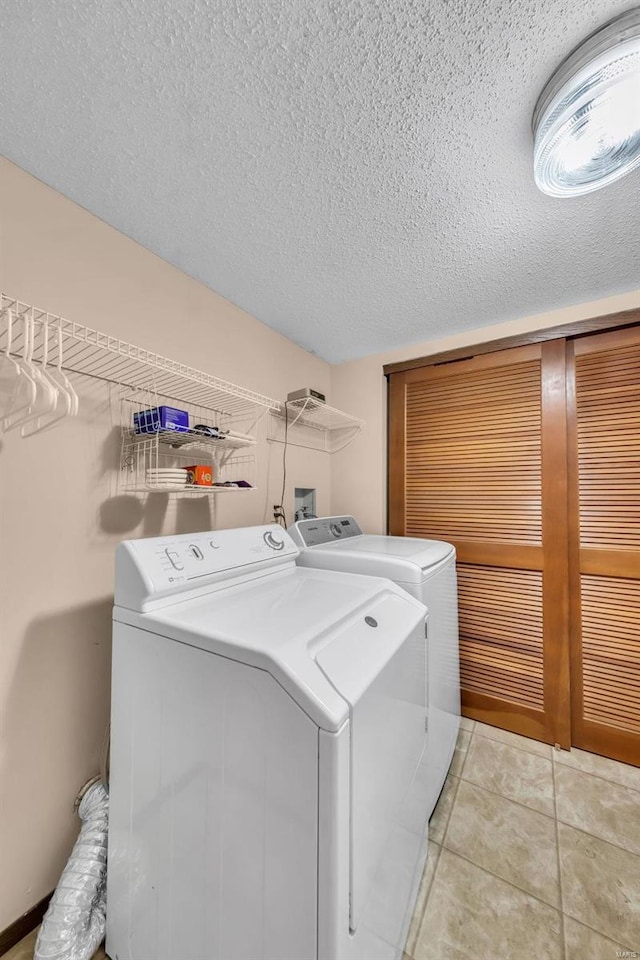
(200, 475)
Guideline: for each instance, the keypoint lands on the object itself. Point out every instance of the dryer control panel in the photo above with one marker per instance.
(163, 566)
(311, 533)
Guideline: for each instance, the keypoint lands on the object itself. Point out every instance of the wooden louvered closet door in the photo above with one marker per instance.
(604, 420)
(477, 457)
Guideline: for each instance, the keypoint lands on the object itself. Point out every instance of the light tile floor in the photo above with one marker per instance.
(534, 854)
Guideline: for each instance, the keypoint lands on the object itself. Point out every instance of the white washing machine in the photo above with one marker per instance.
(268, 783)
(427, 570)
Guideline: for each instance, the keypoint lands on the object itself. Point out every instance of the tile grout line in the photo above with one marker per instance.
(495, 793)
(490, 872)
(464, 761)
(426, 900)
(559, 910)
(555, 810)
(596, 776)
(455, 795)
(514, 746)
(518, 803)
(510, 883)
(453, 803)
(428, 892)
(550, 816)
(553, 761)
(444, 833)
(594, 836)
(588, 833)
(441, 844)
(601, 933)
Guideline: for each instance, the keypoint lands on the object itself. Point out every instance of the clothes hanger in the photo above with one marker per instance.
(63, 400)
(45, 394)
(20, 392)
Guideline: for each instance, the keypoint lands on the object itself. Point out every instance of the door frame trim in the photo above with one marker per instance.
(578, 328)
(395, 397)
(555, 542)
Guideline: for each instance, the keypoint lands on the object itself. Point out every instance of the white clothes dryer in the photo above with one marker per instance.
(427, 570)
(268, 783)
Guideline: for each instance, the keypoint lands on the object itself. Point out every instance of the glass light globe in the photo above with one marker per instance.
(586, 124)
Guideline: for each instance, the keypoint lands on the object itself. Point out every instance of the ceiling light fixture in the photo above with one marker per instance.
(586, 124)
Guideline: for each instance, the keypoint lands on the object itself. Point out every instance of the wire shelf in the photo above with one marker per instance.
(142, 459)
(332, 429)
(231, 458)
(192, 438)
(312, 413)
(94, 354)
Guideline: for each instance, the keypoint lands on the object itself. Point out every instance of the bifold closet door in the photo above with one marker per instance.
(477, 456)
(604, 409)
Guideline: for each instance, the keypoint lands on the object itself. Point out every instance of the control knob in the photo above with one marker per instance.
(272, 541)
(175, 559)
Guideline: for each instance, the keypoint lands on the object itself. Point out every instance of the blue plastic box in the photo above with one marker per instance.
(161, 418)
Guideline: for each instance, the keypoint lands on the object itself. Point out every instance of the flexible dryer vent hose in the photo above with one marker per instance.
(74, 924)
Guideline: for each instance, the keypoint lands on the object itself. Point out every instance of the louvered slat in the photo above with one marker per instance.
(611, 651)
(473, 455)
(608, 428)
(606, 671)
(500, 613)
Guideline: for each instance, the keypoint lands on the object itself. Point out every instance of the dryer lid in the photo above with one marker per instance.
(386, 688)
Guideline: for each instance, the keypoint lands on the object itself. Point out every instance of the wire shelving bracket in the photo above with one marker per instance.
(147, 380)
(313, 424)
(95, 354)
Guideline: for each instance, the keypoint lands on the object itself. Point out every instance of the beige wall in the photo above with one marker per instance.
(61, 516)
(359, 471)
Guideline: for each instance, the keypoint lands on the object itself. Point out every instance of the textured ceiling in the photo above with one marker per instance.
(355, 174)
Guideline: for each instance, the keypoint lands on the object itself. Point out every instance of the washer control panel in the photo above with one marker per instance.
(327, 530)
(170, 564)
(186, 558)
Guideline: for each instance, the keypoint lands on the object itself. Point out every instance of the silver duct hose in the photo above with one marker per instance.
(74, 924)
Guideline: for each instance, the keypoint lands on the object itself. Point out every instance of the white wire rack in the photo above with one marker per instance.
(313, 424)
(143, 462)
(145, 455)
(94, 354)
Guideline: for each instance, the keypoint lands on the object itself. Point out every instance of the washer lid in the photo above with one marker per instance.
(281, 620)
(400, 558)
